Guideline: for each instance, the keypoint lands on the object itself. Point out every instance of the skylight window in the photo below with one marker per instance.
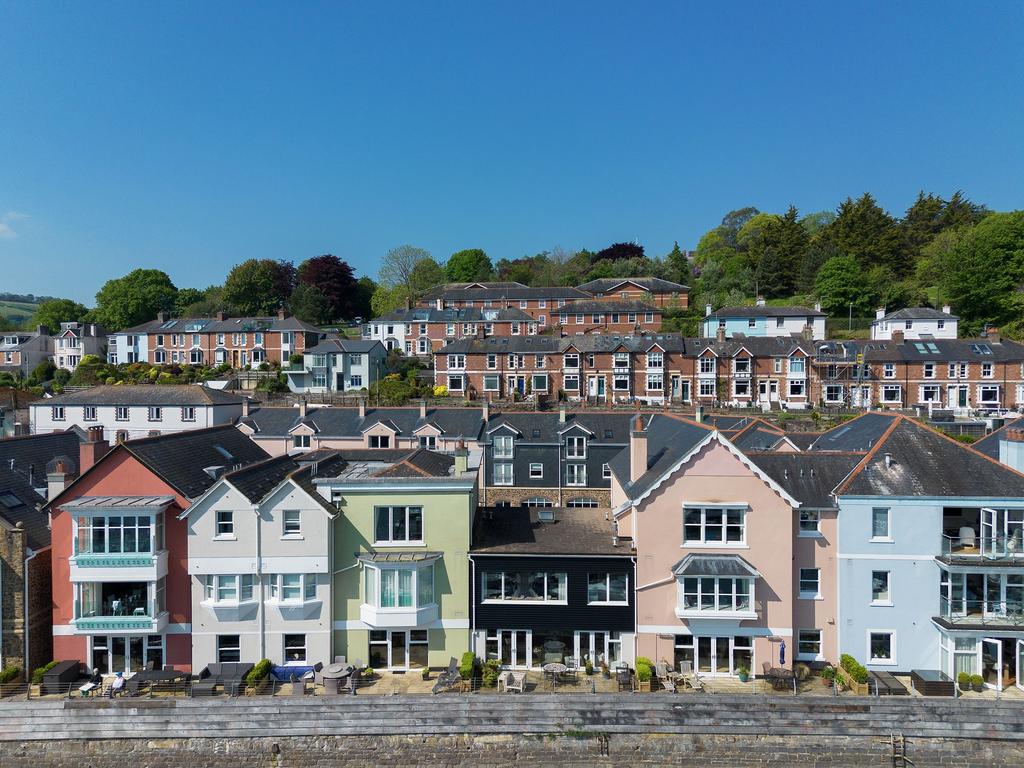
(981, 349)
(9, 500)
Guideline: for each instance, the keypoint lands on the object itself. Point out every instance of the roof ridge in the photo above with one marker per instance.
(870, 454)
(171, 435)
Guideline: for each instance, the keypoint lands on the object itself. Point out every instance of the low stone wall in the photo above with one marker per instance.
(565, 751)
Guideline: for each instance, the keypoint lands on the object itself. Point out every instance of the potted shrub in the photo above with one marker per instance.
(259, 676)
(490, 673)
(978, 683)
(963, 680)
(589, 667)
(828, 674)
(644, 673)
(743, 673)
(426, 673)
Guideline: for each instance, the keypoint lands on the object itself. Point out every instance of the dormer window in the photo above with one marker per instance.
(621, 359)
(576, 447)
(380, 441)
(571, 360)
(503, 446)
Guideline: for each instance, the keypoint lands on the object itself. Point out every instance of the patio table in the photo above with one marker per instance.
(554, 669)
(336, 671)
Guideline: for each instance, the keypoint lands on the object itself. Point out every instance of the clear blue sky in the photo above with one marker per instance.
(190, 136)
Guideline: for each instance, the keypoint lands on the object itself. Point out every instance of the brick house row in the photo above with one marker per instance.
(238, 341)
(784, 371)
(422, 331)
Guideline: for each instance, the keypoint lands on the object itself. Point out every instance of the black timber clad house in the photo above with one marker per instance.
(555, 459)
(550, 584)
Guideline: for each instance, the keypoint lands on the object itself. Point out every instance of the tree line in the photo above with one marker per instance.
(852, 259)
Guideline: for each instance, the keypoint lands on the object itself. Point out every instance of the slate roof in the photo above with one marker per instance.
(989, 444)
(713, 565)
(654, 284)
(518, 530)
(181, 458)
(22, 508)
(802, 440)
(421, 463)
(925, 462)
(766, 311)
(456, 315)
(229, 325)
(601, 307)
(334, 345)
(917, 313)
(590, 342)
(608, 342)
(345, 422)
(544, 427)
(255, 481)
(758, 436)
(859, 434)
(668, 440)
(758, 346)
(503, 345)
(32, 453)
(497, 291)
(809, 478)
(925, 349)
(146, 394)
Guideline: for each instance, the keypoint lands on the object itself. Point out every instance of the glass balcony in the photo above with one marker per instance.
(119, 606)
(970, 547)
(968, 613)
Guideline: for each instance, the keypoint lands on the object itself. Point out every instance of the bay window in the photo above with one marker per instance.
(292, 587)
(228, 588)
(401, 587)
(714, 594)
(119, 534)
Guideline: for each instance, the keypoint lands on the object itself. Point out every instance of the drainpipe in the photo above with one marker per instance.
(636, 613)
(26, 622)
(472, 606)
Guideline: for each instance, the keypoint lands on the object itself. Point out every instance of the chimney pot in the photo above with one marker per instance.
(245, 407)
(707, 310)
(163, 316)
(222, 315)
(282, 313)
(637, 449)
(561, 414)
(485, 412)
(993, 335)
(423, 409)
(302, 408)
(92, 449)
(759, 301)
(897, 336)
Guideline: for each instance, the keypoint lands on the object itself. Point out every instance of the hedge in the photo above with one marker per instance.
(644, 669)
(855, 669)
(37, 676)
(8, 673)
(468, 665)
(259, 671)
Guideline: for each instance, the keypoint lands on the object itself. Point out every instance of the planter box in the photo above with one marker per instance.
(645, 687)
(861, 689)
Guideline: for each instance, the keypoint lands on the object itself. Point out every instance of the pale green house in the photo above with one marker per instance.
(401, 570)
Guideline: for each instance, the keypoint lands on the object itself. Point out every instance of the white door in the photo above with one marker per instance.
(992, 662)
(989, 529)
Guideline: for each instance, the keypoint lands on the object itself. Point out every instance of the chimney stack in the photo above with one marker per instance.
(439, 303)
(817, 306)
(879, 313)
(163, 316)
(362, 407)
(282, 313)
(423, 409)
(302, 408)
(637, 449)
(92, 450)
(897, 336)
(698, 414)
(707, 310)
(759, 301)
(57, 480)
(561, 414)
(807, 333)
(245, 407)
(993, 335)
(946, 309)
(1011, 448)
(222, 315)
(461, 458)
(720, 334)
(408, 303)
(485, 411)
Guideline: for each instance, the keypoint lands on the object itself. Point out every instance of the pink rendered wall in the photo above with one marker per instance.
(818, 552)
(715, 475)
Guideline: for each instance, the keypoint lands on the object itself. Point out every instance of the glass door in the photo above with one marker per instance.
(705, 655)
(399, 650)
(722, 661)
(1020, 664)
(988, 532)
(992, 663)
(513, 647)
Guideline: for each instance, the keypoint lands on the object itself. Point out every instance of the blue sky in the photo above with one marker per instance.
(190, 136)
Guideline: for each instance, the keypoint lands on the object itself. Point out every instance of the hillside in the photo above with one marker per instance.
(17, 312)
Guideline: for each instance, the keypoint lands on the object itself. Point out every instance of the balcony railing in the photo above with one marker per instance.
(113, 560)
(981, 548)
(993, 613)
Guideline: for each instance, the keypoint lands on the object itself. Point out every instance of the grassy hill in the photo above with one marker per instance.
(18, 312)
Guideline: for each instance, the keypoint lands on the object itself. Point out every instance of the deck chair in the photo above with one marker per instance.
(516, 681)
(661, 671)
(354, 679)
(448, 678)
(690, 677)
(134, 686)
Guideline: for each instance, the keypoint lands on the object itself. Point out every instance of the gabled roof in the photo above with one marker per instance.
(421, 463)
(334, 345)
(765, 311)
(146, 394)
(916, 313)
(346, 422)
(989, 444)
(911, 459)
(497, 291)
(654, 284)
(545, 427)
(182, 458)
(228, 325)
(859, 434)
(809, 478)
(456, 315)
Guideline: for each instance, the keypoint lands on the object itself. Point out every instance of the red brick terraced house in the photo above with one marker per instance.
(422, 331)
(648, 290)
(608, 316)
(540, 302)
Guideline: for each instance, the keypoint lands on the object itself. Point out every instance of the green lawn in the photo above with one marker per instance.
(18, 312)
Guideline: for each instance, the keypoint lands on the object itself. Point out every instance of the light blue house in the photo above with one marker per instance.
(931, 553)
(339, 365)
(762, 320)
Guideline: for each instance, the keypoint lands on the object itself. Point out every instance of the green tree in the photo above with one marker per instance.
(56, 311)
(468, 266)
(257, 286)
(397, 266)
(678, 265)
(385, 299)
(426, 274)
(309, 304)
(815, 222)
(361, 306)
(185, 299)
(840, 283)
(862, 229)
(134, 299)
(335, 281)
(982, 273)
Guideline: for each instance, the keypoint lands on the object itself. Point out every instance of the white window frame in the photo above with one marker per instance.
(576, 475)
(572, 444)
(813, 515)
(724, 542)
(819, 656)
(809, 576)
(224, 524)
(503, 473)
(536, 471)
(608, 589)
(406, 511)
(887, 602)
(503, 447)
(504, 599)
(887, 537)
(291, 524)
(880, 661)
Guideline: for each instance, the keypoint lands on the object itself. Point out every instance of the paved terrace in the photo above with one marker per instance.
(483, 714)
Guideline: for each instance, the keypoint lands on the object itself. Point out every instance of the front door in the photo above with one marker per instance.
(773, 390)
(595, 386)
(992, 662)
(762, 391)
(676, 391)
